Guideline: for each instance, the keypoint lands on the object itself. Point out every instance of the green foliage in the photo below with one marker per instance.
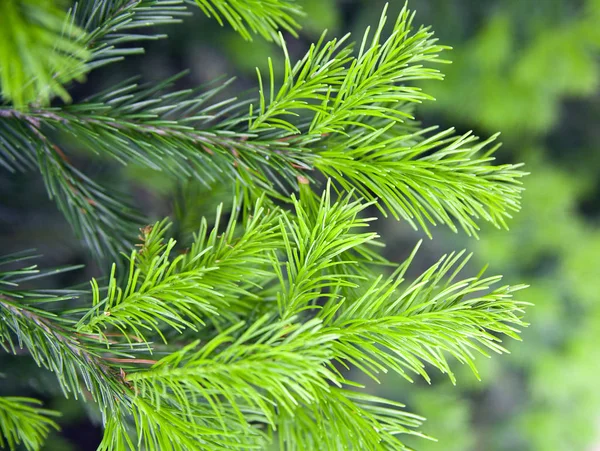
(40, 51)
(96, 215)
(429, 320)
(21, 421)
(264, 17)
(413, 180)
(369, 87)
(531, 69)
(261, 370)
(374, 423)
(35, 321)
(243, 336)
(111, 24)
(371, 147)
(209, 278)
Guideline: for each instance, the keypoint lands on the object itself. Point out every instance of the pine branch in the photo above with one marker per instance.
(42, 48)
(82, 364)
(266, 367)
(74, 360)
(264, 312)
(423, 180)
(268, 370)
(440, 179)
(342, 91)
(40, 51)
(53, 50)
(211, 279)
(104, 222)
(172, 132)
(248, 367)
(201, 430)
(373, 85)
(388, 328)
(313, 243)
(306, 85)
(22, 422)
(113, 24)
(17, 151)
(247, 17)
(375, 423)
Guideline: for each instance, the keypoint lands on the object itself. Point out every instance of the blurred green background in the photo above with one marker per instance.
(527, 68)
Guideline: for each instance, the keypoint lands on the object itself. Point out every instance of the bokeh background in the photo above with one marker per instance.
(527, 68)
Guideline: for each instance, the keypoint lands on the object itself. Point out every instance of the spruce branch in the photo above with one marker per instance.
(83, 365)
(373, 86)
(267, 367)
(173, 132)
(342, 91)
(209, 280)
(260, 373)
(23, 422)
(375, 423)
(17, 148)
(40, 51)
(421, 179)
(245, 337)
(102, 220)
(435, 179)
(203, 429)
(306, 85)
(42, 48)
(387, 327)
(73, 359)
(247, 17)
(113, 24)
(427, 179)
(313, 243)
(248, 366)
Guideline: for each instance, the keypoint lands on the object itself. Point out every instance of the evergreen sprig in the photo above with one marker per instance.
(112, 24)
(344, 91)
(370, 146)
(184, 432)
(374, 423)
(427, 179)
(246, 336)
(103, 221)
(264, 367)
(262, 371)
(264, 17)
(212, 277)
(40, 51)
(23, 422)
(39, 323)
(277, 364)
(389, 328)
(313, 243)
